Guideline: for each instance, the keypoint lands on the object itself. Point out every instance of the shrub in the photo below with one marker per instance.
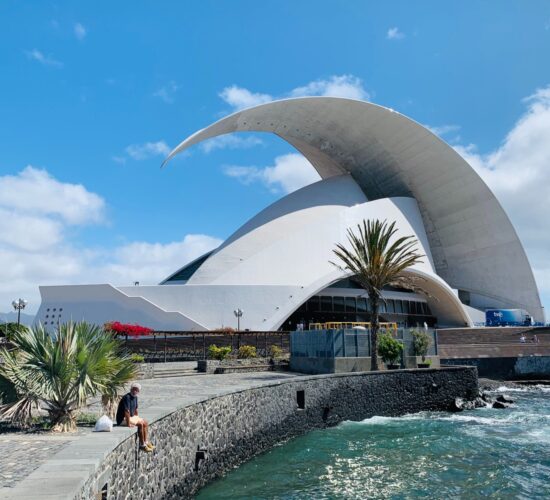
(421, 343)
(123, 329)
(137, 358)
(60, 373)
(275, 351)
(247, 351)
(389, 348)
(219, 353)
(9, 329)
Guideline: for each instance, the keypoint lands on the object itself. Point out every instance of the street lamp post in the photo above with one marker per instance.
(18, 305)
(238, 314)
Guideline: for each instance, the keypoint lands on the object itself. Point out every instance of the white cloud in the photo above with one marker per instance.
(36, 55)
(80, 31)
(335, 86)
(289, 173)
(167, 92)
(230, 142)
(348, 86)
(240, 98)
(395, 34)
(35, 192)
(149, 263)
(36, 212)
(518, 172)
(147, 150)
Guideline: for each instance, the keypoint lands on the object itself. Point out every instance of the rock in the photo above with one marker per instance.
(479, 403)
(499, 404)
(457, 405)
(487, 398)
(503, 399)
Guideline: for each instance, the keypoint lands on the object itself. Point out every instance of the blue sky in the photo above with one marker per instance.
(93, 95)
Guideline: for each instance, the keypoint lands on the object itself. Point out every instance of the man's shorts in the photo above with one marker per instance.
(133, 421)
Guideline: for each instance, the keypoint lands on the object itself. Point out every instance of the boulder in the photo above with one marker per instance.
(500, 404)
(503, 399)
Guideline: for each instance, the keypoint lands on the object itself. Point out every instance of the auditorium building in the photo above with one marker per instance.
(374, 163)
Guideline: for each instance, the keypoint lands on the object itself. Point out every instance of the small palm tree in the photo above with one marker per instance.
(60, 373)
(377, 259)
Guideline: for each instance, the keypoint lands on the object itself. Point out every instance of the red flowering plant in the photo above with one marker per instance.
(122, 329)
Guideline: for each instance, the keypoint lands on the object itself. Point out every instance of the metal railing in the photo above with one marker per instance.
(160, 347)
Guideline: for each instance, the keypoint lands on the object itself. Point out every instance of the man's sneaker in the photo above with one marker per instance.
(145, 448)
(150, 445)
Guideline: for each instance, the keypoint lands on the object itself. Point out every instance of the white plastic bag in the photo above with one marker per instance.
(104, 424)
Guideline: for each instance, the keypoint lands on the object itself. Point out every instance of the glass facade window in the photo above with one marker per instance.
(313, 304)
(350, 304)
(361, 305)
(398, 307)
(326, 304)
(390, 305)
(338, 304)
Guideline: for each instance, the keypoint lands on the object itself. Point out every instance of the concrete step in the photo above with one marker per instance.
(177, 374)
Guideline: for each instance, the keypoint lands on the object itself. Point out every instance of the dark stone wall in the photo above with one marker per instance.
(512, 368)
(235, 427)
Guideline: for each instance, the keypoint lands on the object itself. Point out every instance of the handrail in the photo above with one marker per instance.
(338, 325)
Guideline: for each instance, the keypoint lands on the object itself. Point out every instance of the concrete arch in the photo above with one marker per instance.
(473, 243)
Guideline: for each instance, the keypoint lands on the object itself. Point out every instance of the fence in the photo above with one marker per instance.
(349, 343)
(160, 347)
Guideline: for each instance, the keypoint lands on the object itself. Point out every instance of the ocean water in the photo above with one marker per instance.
(474, 454)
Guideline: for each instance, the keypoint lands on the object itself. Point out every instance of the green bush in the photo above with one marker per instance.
(421, 343)
(389, 348)
(219, 353)
(8, 330)
(247, 351)
(137, 358)
(275, 351)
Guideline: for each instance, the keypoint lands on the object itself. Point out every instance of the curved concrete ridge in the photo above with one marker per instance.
(99, 458)
(390, 155)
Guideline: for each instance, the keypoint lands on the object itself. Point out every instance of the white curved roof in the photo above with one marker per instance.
(473, 243)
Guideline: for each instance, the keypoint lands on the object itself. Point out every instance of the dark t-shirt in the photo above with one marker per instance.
(127, 403)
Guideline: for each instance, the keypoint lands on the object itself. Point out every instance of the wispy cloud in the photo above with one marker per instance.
(36, 55)
(147, 150)
(348, 86)
(230, 142)
(288, 173)
(167, 92)
(80, 31)
(395, 34)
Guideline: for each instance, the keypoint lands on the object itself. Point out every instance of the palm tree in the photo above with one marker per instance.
(377, 259)
(60, 373)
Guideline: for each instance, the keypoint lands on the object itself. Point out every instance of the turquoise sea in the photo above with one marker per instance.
(474, 454)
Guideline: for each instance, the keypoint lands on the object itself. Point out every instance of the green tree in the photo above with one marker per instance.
(376, 258)
(61, 372)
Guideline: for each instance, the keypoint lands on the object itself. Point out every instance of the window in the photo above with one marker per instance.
(338, 304)
(313, 304)
(326, 304)
(350, 304)
(361, 305)
(398, 307)
(390, 305)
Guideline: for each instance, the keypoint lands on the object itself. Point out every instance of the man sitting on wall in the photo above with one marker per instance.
(127, 414)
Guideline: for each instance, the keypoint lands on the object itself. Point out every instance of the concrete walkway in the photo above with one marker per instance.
(62, 472)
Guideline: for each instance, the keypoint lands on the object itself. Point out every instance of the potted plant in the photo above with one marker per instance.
(421, 343)
(390, 350)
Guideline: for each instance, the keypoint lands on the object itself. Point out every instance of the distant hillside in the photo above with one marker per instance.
(11, 317)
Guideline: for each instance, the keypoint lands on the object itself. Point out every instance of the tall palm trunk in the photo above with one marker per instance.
(373, 301)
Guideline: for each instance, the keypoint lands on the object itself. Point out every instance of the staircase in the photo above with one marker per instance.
(176, 369)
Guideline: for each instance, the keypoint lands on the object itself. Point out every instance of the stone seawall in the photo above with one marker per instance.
(234, 427)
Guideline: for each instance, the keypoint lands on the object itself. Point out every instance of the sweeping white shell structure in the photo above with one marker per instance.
(374, 164)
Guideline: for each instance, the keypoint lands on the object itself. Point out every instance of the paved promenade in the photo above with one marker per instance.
(50, 466)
